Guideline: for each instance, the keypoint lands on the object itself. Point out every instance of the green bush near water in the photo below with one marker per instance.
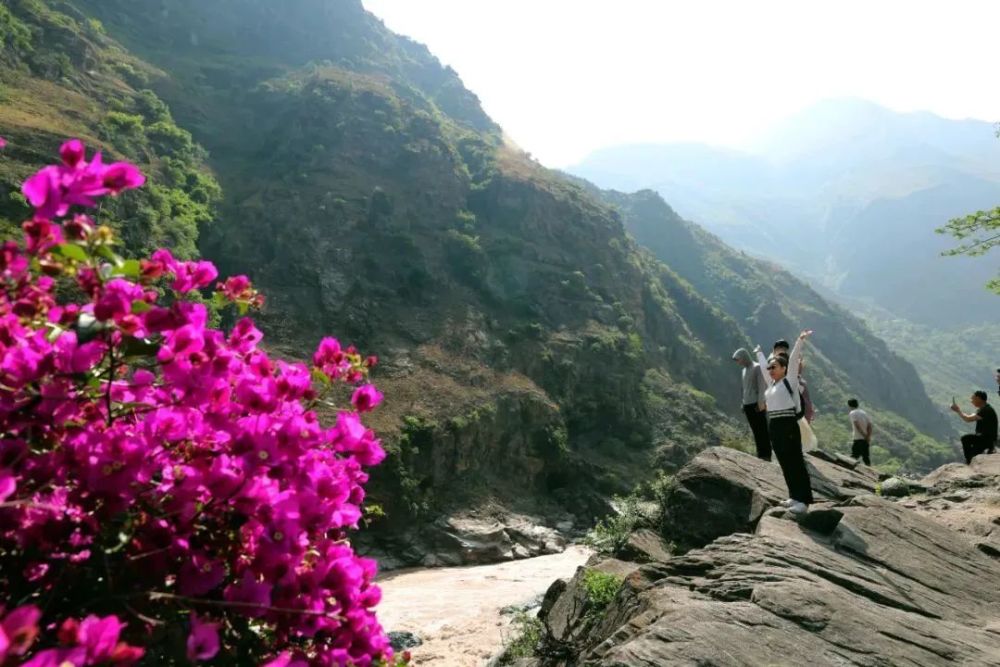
(601, 589)
(523, 643)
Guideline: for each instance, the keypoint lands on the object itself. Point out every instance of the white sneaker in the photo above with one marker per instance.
(787, 503)
(798, 507)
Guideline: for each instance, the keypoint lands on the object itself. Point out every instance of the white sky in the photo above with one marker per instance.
(564, 77)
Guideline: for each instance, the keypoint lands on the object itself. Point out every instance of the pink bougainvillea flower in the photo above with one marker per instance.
(20, 627)
(234, 288)
(122, 176)
(40, 236)
(366, 398)
(256, 595)
(79, 228)
(285, 660)
(96, 636)
(76, 182)
(124, 655)
(3, 143)
(203, 641)
(73, 153)
(193, 275)
(43, 192)
(199, 575)
(8, 485)
(59, 657)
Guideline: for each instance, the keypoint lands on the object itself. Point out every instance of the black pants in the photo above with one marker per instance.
(859, 450)
(758, 424)
(786, 440)
(973, 444)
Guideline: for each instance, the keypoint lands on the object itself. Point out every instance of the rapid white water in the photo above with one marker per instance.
(456, 611)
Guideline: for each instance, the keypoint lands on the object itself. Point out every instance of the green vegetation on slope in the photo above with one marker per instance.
(60, 77)
(950, 363)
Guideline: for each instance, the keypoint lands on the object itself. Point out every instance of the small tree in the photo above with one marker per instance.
(979, 232)
(167, 491)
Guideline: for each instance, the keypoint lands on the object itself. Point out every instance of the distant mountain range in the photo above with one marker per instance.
(845, 193)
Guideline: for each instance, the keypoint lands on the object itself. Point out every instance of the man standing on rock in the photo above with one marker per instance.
(861, 425)
(985, 437)
(754, 406)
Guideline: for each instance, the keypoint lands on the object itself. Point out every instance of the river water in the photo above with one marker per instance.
(456, 611)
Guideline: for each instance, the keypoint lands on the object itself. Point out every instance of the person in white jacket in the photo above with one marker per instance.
(784, 406)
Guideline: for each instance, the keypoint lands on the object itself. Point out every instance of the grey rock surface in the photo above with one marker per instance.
(645, 545)
(723, 491)
(866, 581)
(894, 487)
(966, 498)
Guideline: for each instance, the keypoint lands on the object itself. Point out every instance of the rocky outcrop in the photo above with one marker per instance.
(724, 491)
(863, 581)
(965, 498)
(471, 538)
(567, 616)
(644, 546)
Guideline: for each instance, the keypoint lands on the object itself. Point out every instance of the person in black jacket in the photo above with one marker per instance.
(985, 437)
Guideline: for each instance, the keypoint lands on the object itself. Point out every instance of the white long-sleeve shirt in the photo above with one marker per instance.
(781, 402)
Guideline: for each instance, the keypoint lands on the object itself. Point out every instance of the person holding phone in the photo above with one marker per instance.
(784, 408)
(985, 437)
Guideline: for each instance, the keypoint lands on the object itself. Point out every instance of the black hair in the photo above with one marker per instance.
(852, 403)
(782, 343)
(781, 359)
(981, 394)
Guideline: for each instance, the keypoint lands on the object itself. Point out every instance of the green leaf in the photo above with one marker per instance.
(219, 299)
(139, 347)
(320, 376)
(54, 333)
(107, 253)
(140, 307)
(73, 251)
(129, 268)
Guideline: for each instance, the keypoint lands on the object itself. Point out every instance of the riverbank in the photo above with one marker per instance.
(457, 611)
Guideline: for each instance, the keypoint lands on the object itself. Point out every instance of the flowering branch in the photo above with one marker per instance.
(203, 473)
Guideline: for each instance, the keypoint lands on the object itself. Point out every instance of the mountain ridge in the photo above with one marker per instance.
(833, 194)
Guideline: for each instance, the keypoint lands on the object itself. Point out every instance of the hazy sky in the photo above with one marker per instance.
(564, 77)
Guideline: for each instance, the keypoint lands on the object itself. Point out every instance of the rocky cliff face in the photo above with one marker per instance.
(863, 580)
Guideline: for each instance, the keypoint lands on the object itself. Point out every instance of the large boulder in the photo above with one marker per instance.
(723, 491)
(887, 587)
(644, 546)
(565, 605)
